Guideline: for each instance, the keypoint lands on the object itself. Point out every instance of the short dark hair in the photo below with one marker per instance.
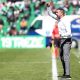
(61, 10)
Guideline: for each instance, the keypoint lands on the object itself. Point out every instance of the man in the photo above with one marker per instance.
(23, 26)
(65, 34)
(56, 39)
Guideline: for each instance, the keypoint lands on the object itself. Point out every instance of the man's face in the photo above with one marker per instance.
(59, 13)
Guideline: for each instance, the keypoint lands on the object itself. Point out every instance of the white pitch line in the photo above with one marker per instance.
(37, 62)
(77, 55)
(54, 69)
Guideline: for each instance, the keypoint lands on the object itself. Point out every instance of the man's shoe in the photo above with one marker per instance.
(66, 76)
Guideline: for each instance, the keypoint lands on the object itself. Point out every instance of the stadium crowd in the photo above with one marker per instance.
(16, 17)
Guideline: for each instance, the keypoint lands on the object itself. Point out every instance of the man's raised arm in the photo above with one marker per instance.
(51, 10)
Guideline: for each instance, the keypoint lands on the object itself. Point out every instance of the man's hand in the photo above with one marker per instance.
(50, 4)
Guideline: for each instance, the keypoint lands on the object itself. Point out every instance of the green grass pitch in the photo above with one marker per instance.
(33, 64)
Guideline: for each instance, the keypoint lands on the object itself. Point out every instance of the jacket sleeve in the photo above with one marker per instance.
(50, 13)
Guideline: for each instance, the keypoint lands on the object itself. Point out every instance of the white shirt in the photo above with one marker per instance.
(63, 25)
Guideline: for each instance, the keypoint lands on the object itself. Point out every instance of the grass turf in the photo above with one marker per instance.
(33, 64)
(25, 64)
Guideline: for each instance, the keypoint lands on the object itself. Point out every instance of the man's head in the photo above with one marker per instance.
(60, 12)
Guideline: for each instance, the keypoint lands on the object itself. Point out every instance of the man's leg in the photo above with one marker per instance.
(62, 60)
(66, 57)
